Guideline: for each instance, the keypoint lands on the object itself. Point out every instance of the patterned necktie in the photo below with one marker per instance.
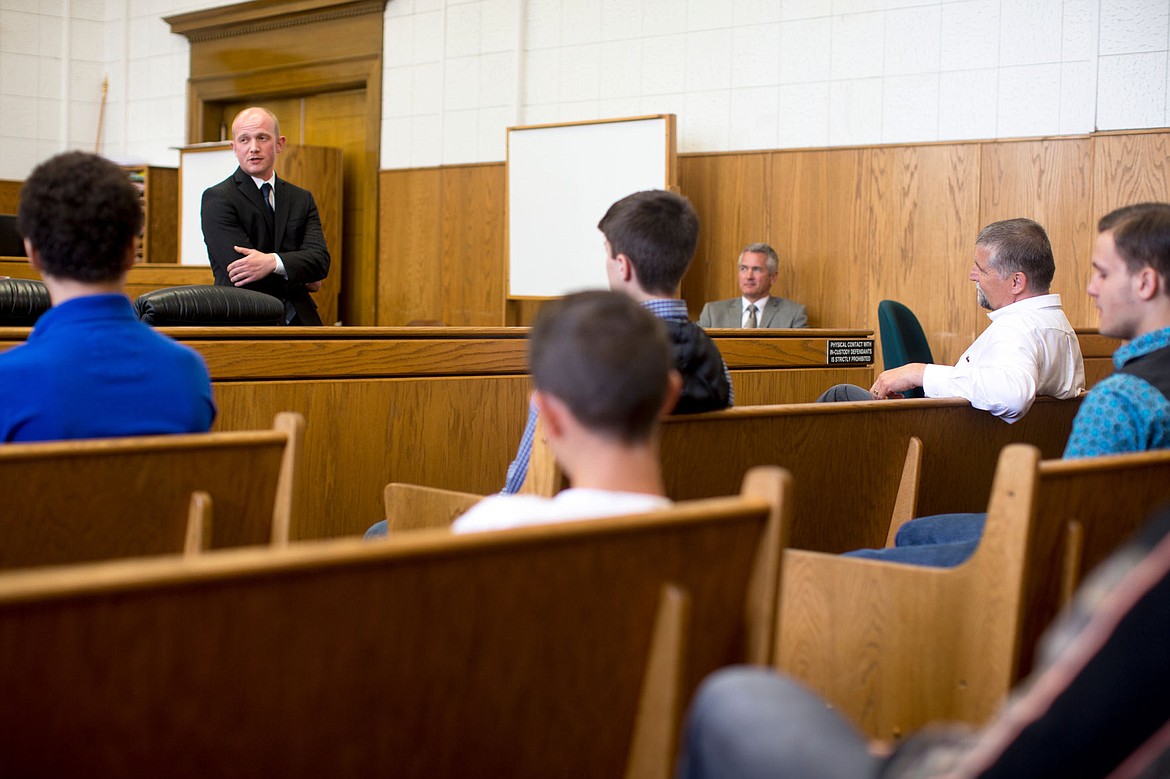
(266, 192)
(751, 316)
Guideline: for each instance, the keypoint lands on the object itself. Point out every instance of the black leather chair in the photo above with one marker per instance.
(204, 305)
(22, 301)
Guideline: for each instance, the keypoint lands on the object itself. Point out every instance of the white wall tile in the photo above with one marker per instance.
(803, 115)
(858, 46)
(461, 87)
(463, 30)
(746, 12)
(1079, 33)
(18, 74)
(426, 138)
(497, 25)
(1131, 91)
(542, 24)
(912, 41)
(664, 65)
(805, 50)
(1030, 32)
(460, 136)
(968, 104)
(542, 76)
(969, 35)
(621, 20)
(581, 22)
(580, 111)
(1130, 26)
(497, 79)
(87, 40)
(580, 73)
(20, 115)
(755, 55)
(663, 17)
(707, 14)
(88, 10)
(620, 61)
(754, 118)
(842, 7)
(664, 104)
(399, 8)
(421, 6)
(396, 143)
(855, 111)
(427, 89)
(547, 113)
(805, 9)
(492, 141)
(20, 33)
(621, 106)
(397, 92)
(428, 37)
(397, 41)
(1029, 100)
(1078, 92)
(706, 121)
(910, 108)
(708, 60)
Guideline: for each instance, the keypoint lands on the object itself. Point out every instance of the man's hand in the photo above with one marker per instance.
(895, 381)
(253, 266)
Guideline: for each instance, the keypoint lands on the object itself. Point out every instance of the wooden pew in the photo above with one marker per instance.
(846, 459)
(79, 501)
(438, 406)
(558, 650)
(897, 646)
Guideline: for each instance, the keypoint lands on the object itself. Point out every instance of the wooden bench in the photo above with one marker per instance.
(78, 501)
(897, 646)
(846, 459)
(567, 649)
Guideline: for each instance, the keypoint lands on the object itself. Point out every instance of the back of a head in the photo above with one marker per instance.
(1141, 233)
(82, 215)
(1020, 246)
(606, 358)
(658, 231)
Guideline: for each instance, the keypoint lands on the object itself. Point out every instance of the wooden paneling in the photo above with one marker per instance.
(409, 285)
(1049, 181)
(925, 206)
(821, 229)
(719, 188)
(852, 226)
(442, 246)
(10, 196)
(1129, 168)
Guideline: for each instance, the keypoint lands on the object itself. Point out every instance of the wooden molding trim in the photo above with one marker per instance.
(265, 16)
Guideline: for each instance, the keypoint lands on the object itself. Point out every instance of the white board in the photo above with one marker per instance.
(200, 166)
(561, 180)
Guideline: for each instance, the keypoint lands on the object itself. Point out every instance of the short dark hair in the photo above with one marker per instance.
(605, 357)
(82, 215)
(658, 231)
(1141, 233)
(1020, 246)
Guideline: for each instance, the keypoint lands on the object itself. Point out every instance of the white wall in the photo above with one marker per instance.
(740, 74)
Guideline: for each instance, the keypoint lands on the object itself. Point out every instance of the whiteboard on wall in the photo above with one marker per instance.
(200, 166)
(561, 180)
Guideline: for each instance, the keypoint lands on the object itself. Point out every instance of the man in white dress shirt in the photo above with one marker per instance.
(1029, 348)
(758, 266)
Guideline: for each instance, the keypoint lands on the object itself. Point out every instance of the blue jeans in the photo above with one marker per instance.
(751, 723)
(939, 541)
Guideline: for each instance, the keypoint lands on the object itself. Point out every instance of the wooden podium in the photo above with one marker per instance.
(315, 168)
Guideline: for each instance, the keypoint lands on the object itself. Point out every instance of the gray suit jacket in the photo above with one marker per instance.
(778, 312)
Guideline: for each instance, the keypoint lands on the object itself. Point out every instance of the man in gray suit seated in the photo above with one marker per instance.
(758, 266)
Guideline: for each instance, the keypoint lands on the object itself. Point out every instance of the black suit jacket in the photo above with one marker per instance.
(234, 214)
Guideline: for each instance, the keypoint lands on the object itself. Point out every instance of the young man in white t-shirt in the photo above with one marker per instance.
(603, 370)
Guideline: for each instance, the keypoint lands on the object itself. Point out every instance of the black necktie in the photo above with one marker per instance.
(266, 192)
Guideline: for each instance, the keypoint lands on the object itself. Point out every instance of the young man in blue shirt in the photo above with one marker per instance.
(90, 369)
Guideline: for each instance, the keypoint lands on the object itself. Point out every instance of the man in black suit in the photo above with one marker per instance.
(263, 233)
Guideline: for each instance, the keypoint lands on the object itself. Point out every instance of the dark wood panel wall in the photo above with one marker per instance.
(853, 226)
(10, 196)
